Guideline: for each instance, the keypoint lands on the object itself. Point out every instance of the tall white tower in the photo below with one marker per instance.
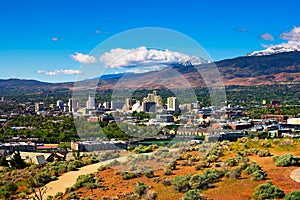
(90, 104)
(172, 104)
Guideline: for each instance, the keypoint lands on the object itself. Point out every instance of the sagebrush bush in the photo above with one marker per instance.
(129, 175)
(259, 175)
(149, 173)
(294, 195)
(231, 162)
(140, 188)
(235, 173)
(286, 160)
(180, 183)
(268, 191)
(193, 195)
(252, 168)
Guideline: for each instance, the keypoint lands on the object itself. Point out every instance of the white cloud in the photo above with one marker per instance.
(58, 72)
(102, 32)
(54, 39)
(140, 57)
(241, 29)
(293, 35)
(266, 36)
(83, 58)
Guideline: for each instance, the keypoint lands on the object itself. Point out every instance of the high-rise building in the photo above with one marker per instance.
(72, 105)
(129, 103)
(154, 98)
(172, 104)
(106, 105)
(38, 107)
(91, 103)
(66, 107)
(60, 104)
(149, 107)
(117, 105)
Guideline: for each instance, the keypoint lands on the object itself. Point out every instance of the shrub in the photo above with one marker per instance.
(43, 178)
(49, 197)
(102, 168)
(212, 158)
(167, 172)
(108, 155)
(193, 195)
(180, 183)
(231, 162)
(59, 194)
(11, 187)
(156, 179)
(140, 188)
(85, 181)
(286, 142)
(129, 175)
(286, 160)
(265, 143)
(252, 168)
(201, 181)
(263, 153)
(235, 173)
(113, 163)
(201, 165)
(143, 149)
(166, 182)
(268, 191)
(259, 175)
(171, 165)
(150, 195)
(295, 195)
(243, 165)
(149, 173)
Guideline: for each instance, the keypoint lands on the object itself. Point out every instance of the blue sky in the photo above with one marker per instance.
(39, 36)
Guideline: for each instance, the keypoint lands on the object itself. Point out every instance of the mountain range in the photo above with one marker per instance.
(276, 68)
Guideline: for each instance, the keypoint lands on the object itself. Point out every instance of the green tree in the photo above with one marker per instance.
(11, 188)
(3, 161)
(17, 161)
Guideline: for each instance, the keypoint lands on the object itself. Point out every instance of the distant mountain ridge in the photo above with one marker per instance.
(245, 70)
(281, 48)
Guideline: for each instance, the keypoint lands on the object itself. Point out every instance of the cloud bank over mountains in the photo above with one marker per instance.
(140, 57)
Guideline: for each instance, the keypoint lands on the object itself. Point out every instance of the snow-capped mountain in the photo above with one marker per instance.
(280, 48)
(193, 61)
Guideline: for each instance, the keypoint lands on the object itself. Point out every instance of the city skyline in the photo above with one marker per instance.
(49, 41)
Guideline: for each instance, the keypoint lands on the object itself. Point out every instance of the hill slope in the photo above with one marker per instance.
(247, 70)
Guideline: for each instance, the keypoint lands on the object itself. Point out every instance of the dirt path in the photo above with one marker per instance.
(295, 175)
(69, 178)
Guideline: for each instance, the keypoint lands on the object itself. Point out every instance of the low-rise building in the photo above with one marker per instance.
(98, 146)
